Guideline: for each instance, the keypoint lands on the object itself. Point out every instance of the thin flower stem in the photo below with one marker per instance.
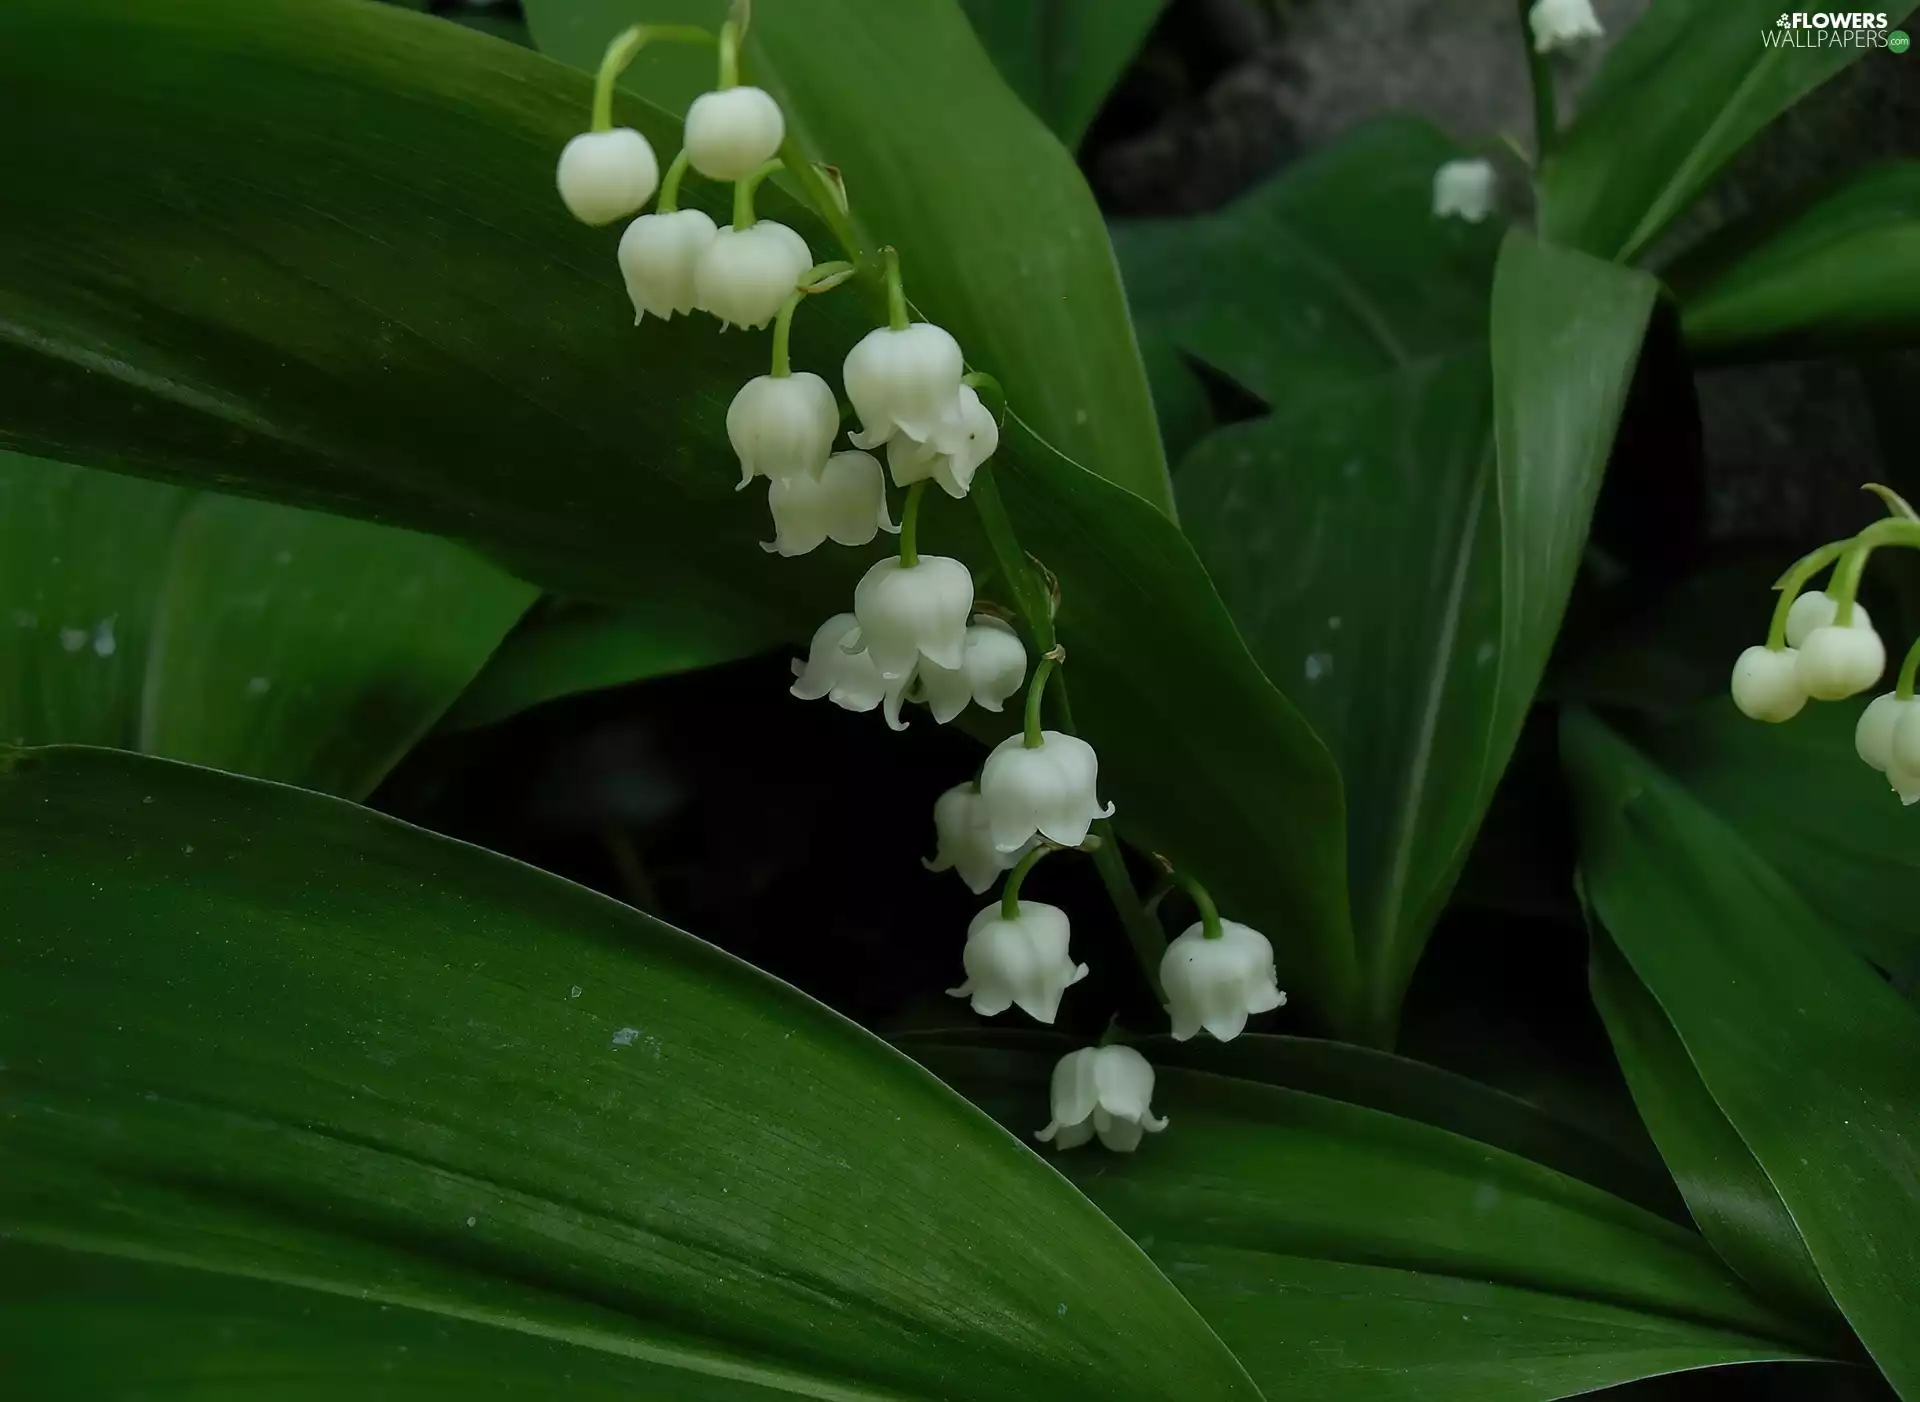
(910, 525)
(744, 190)
(783, 334)
(729, 56)
(1904, 688)
(1209, 913)
(625, 47)
(1792, 582)
(1846, 582)
(1546, 111)
(896, 290)
(1036, 696)
(1010, 897)
(669, 200)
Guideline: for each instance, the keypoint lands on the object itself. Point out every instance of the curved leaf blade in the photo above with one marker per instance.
(1063, 56)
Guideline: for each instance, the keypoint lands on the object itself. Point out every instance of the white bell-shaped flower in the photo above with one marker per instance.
(658, 256)
(1021, 962)
(1837, 662)
(1766, 684)
(1106, 1091)
(1464, 190)
(1817, 609)
(1877, 740)
(993, 665)
(906, 381)
(846, 678)
(1050, 789)
(910, 612)
(846, 503)
(1562, 24)
(733, 132)
(964, 842)
(606, 175)
(1217, 984)
(972, 443)
(745, 274)
(783, 426)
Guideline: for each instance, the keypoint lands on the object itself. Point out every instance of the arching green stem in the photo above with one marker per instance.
(1904, 687)
(1846, 581)
(625, 47)
(1010, 897)
(744, 191)
(910, 525)
(729, 56)
(1792, 582)
(670, 186)
(783, 334)
(896, 290)
(1036, 695)
(1209, 913)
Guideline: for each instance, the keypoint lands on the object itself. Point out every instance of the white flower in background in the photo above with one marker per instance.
(1217, 984)
(733, 132)
(910, 612)
(783, 426)
(906, 381)
(1877, 739)
(658, 256)
(1837, 662)
(1464, 190)
(1050, 789)
(972, 443)
(1766, 684)
(1562, 24)
(605, 175)
(964, 842)
(846, 503)
(1106, 1091)
(848, 679)
(1021, 962)
(993, 665)
(1817, 609)
(745, 274)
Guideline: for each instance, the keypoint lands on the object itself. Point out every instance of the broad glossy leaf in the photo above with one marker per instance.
(1682, 92)
(439, 1081)
(262, 639)
(1346, 1253)
(1063, 56)
(1811, 1057)
(404, 323)
(1840, 274)
(999, 236)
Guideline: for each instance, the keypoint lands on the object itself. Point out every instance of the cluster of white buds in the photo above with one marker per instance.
(1465, 190)
(1106, 1091)
(1563, 24)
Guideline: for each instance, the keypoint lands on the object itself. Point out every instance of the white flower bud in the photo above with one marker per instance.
(910, 612)
(848, 679)
(1902, 749)
(605, 175)
(783, 426)
(1050, 790)
(1464, 189)
(1766, 684)
(1817, 609)
(974, 441)
(905, 382)
(847, 503)
(1105, 1091)
(658, 256)
(1562, 24)
(992, 667)
(746, 274)
(1836, 662)
(1022, 961)
(733, 132)
(1217, 984)
(964, 842)
(1873, 733)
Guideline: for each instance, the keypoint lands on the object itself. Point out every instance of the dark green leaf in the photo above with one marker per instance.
(342, 278)
(259, 1038)
(1063, 56)
(1682, 92)
(1811, 1057)
(262, 639)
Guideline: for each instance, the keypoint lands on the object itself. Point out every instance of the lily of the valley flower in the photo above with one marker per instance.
(1464, 189)
(732, 132)
(1106, 1091)
(1216, 984)
(1562, 24)
(906, 382)
(1766, 684)
(1837, 662)
(971, 442)
(911, 612)
(745, 274)
(993, 665)
(783, 426)
(846, 678)
(847, 504)
(1817, 609)
(1019, 962)
(1049, 789)
(605, 175)
(1887, 739)
(964, 842)
(659, 254)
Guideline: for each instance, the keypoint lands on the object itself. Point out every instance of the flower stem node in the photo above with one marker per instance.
(1464, 190)
(907, 382)
(1049, 788)
(606, 175)
(1837, 662)
(1817, 609)
(1878, 740)
(733, 132)
(993, 666)
(1106, 1091)
(846, 503)
(659, 254)
(846, 678)
(783, 426)
(910, 612)
(1216, 984)
(1020, 962)
(745, 274)
(973, 441)
(1766, 684)
(1563, 24)
(963, 842)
